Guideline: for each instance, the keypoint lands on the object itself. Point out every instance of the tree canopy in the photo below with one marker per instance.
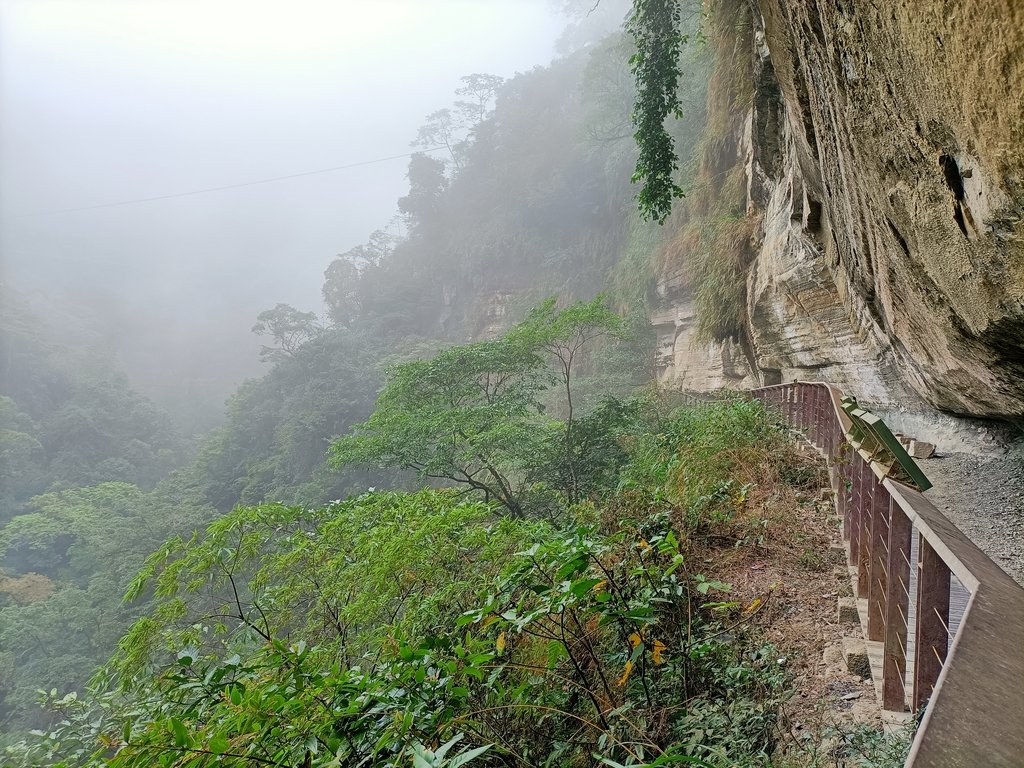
(476, 414)
(426, 628)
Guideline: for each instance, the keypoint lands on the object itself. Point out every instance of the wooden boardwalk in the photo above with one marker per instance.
(944, 625)
(959, 597)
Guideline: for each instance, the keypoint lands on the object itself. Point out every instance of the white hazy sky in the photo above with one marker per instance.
(109, 100)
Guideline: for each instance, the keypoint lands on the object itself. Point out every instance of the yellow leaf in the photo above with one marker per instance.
(626, 672)
(753, 606)
(643, 545)
(600, 586)
(499, 644)
(659, 648)
(489, 620)
(635, 639)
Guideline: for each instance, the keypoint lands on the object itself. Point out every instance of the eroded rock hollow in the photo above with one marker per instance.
(884, 151)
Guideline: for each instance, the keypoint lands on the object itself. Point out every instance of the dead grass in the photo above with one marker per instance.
(714, 245)
(774, 551)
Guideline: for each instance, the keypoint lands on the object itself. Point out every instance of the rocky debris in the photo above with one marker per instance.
(984, 497)
(919, 449)
(837, 553)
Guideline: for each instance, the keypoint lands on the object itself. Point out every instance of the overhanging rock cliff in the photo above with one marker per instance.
(885, 162)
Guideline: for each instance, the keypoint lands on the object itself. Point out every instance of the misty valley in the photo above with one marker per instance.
(487, 487)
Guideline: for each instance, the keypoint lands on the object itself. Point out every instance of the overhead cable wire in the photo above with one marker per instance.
(228, 186)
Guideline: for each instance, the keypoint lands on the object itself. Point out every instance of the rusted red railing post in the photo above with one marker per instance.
(813, 430)
(867, 482)
(821, 421)
(804, 415)
(878, 573)
(897, 603)
(932, 637)
(855, 507)
(846, 473)
(837, 475)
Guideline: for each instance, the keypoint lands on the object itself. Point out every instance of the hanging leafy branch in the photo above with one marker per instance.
(655, 28)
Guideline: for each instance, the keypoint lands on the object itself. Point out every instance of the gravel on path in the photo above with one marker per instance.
(984, 497)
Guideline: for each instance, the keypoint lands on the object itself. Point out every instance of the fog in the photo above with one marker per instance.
(105, 104)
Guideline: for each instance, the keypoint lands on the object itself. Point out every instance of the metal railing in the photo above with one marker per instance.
(906, 554)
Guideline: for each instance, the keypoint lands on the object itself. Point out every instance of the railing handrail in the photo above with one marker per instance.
(980, 690)
(975, 711)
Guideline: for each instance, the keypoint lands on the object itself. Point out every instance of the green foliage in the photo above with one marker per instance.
(704, 459)
(68, 418)
(395, 629)
(858, 745)
(867, 747)
(256, 625)
(655, 26)
(714, 243)
(289, 329)
(352, 633)
(473, 414)
(718, 268)
(90, 542)
(593, 453)
(279, 705)
(277, 429)
(469, 415)
(353, 571)
(608, 636)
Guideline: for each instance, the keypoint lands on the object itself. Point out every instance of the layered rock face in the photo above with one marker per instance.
(885, 155)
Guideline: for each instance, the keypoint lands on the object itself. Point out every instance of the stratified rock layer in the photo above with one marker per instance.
(886, 164)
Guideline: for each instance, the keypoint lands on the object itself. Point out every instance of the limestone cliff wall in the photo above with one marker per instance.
(885, 163)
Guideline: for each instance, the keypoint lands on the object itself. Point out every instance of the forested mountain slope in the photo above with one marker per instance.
(68, 417)
(531, 198)
(536, 584)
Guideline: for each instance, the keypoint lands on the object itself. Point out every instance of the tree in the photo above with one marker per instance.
(448, 129)
(479, 92)
(655, 28)
(341, 291)
(469, 415)
(473, 415)
(427, 183)
(442, 130)
(288, 327)
(563, 334)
